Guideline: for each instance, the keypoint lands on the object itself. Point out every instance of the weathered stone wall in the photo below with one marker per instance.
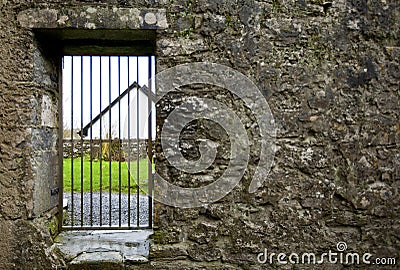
(330, 72)
(28, 146)
(122, 149)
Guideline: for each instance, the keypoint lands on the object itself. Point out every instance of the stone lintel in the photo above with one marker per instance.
(90, 17)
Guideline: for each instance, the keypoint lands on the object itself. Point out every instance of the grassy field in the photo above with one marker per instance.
(105, 175)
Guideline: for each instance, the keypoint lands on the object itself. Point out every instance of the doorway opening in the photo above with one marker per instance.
(108, 130)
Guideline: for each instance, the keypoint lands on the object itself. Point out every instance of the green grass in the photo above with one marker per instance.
(105, 178)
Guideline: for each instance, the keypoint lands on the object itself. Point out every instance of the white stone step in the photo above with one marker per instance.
(105, 246)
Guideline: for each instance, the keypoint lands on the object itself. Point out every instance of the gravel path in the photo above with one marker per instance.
(106, 209)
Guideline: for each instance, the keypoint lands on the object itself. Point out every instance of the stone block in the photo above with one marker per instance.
(94, 17)
(97, 260)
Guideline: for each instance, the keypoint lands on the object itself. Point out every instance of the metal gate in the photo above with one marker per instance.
(108, 130)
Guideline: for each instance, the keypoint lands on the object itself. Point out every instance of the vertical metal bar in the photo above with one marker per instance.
(81, 141)
(101, 150)
(119, 142)
(110, 142)
(150, 147)
(129, 151)
(137, 145)
(91, 141)
(72, 141)
(60, 65)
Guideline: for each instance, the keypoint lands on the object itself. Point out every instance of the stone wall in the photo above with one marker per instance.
(121, 149)
(330, 72)
(28, 146)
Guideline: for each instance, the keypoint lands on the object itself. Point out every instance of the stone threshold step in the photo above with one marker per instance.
(105, 260)
(104, 249)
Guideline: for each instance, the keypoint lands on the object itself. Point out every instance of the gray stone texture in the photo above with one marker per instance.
(330, 72)
(129, 149)
(93, 247)
(93, 17)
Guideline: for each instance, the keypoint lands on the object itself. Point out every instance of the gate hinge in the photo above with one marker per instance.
(54, 191)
